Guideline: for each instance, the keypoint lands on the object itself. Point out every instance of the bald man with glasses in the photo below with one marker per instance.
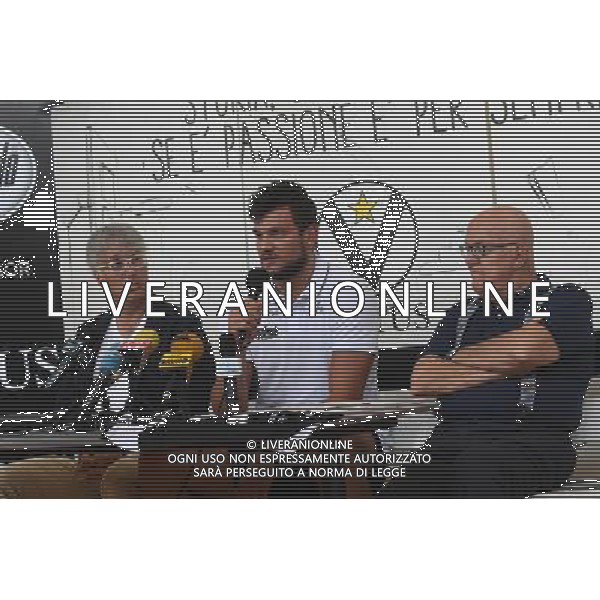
(511, 388)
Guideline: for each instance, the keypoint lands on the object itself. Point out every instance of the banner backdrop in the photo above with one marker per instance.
(395, 185)
(180, 169)
(399, 179)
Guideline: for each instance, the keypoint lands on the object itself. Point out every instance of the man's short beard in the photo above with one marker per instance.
(292, 269)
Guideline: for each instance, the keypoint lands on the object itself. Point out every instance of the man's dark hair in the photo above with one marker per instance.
(284, 194)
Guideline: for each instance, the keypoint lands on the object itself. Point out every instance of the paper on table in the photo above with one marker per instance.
(125, 435)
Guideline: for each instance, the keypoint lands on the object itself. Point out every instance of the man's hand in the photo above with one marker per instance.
(434, 376)
(512, 353)
(217, 405)
(247, 325)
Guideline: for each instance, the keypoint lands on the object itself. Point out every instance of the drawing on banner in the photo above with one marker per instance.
(372, 214)
(101, 166)
(543, 181)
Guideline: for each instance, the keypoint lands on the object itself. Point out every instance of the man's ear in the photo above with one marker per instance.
(523, 255)
(311, 235)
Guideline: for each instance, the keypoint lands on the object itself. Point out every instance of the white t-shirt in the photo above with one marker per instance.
(293, 366)
(124, 435)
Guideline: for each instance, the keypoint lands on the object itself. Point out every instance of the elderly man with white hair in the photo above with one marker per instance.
(116, 255)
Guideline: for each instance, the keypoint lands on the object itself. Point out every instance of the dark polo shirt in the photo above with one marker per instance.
(561, 386)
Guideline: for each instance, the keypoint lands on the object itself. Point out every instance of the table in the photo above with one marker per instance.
(39, 442)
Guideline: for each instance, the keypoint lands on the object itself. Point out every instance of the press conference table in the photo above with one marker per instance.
(218, 436)
(52, 441)
(44, 440)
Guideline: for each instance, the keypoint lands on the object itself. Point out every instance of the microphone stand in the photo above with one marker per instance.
(230, 367)
(180, 361)
(93, 404)
(92, 407)
(72, 351)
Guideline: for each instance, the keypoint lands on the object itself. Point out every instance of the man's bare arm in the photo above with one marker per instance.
(348, 372)
(511, 353)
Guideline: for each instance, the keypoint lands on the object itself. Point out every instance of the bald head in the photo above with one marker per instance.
(506, 236)
(502, 224)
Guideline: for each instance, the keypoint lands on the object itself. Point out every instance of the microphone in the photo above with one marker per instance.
(186, 349)
(73, 351)
(135, 352)
(93, 403)
(230, 367)
(254, 282)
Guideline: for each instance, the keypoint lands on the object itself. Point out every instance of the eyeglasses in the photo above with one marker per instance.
(122, 263)
(481, 250)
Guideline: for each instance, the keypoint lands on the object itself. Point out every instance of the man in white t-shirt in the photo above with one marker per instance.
(323, 361)
(323, 356)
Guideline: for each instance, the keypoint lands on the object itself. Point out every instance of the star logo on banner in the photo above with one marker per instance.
(363, 209)
(387, 213)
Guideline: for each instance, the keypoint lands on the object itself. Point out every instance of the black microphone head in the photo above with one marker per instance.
(228, 345)
(254, 282)
(72, 346)
(131, 359)
(78, 351)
